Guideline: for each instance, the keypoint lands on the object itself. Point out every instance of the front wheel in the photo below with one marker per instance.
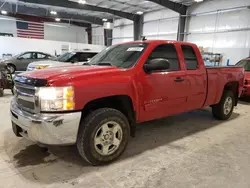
(103, 136)
(12, 69)
(1, 92)
(224, 109)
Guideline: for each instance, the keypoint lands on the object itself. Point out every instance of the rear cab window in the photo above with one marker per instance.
(190, 57)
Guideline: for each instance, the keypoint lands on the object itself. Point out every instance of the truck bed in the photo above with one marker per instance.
(218, 77)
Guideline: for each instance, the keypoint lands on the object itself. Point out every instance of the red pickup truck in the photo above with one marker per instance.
(97, 105)
(245, 63)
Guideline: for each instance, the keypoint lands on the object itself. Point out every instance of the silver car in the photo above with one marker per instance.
(21, 61)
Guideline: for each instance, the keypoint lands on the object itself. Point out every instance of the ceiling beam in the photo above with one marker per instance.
(75, 5)
(42, 12)
(177, 7)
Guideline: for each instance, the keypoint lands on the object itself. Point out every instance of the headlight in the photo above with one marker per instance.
(41, 66)
(57, 98)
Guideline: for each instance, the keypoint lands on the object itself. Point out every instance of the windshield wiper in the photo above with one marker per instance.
(86, 63)
(104, 64)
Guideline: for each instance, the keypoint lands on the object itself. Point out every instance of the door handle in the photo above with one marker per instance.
(179, 79)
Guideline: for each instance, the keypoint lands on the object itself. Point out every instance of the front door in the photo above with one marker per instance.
(24, 60)
(164, 93)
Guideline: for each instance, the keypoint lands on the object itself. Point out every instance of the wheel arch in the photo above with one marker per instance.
(123, 103)
(234, 87)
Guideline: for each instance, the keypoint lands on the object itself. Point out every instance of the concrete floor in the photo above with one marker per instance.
(188, 150)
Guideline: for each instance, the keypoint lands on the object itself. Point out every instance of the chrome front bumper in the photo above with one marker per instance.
(49, 129)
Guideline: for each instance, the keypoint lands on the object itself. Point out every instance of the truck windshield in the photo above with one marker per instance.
(65, 57)
(121, 56)
(245, 64)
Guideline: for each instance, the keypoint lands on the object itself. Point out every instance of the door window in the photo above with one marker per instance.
(41, 56)
(74, 58)
(26, 56)
(190, 57)
(168, 52)
(86, 56)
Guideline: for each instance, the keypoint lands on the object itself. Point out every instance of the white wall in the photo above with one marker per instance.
(8, 25)
(52, 31)
(222, 31)
(97, 35)
(161, 24)
(123, 31)
(14, 45)
(65, 32)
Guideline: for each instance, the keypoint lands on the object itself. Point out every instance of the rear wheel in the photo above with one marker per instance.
(103, 136)
(224, 109)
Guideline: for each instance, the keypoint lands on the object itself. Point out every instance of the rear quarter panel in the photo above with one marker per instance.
(217, 80)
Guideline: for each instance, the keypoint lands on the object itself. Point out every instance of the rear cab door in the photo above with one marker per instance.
(164, 93)
(196, 76)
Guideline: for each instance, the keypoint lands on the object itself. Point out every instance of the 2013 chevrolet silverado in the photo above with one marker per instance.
(97, 105)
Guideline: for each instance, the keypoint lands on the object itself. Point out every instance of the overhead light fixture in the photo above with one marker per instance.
(82, 1)
(104, 19)
(139, 12)
(58, 19)
(53, 12)
(4, 12)
(198, 0)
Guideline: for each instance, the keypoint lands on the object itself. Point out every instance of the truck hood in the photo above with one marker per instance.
(69, 72)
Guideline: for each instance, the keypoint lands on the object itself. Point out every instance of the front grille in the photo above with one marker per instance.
(26, 97)
(29, 91)
(26, 104)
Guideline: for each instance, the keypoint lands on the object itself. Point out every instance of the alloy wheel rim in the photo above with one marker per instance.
(228, 105)
(11, 69)
(108, 138)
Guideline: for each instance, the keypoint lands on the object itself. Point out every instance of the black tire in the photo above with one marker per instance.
(88, 129)
(218, 109)
(11, 68)
(1, 92)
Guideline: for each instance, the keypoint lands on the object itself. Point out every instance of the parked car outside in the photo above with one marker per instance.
(66, 59)
(97, 105)
(21, 61)
(245, 63)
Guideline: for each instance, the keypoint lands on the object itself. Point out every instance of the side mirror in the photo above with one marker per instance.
(20, 58)
(155, 65)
